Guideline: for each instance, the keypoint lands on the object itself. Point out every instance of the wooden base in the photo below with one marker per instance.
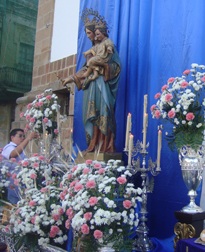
(190, 225)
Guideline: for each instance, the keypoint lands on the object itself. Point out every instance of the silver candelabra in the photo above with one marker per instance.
(139, 164)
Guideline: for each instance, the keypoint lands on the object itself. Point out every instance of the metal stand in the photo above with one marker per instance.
(142, 242)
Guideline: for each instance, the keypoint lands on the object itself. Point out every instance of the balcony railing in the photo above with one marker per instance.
(14, 80)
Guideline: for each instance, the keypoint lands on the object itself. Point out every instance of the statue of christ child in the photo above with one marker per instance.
(102, 51)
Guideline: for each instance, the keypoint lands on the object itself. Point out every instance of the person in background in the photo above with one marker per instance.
(18, 142)
(15, 149)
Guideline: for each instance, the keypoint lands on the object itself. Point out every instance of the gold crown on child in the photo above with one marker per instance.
(97, 21)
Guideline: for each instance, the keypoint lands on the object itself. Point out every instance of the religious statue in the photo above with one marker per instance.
(98, 79)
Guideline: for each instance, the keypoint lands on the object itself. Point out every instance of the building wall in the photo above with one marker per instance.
(45, 72)
(17, 34)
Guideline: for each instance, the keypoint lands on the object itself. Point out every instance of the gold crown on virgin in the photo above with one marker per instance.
(98, 21)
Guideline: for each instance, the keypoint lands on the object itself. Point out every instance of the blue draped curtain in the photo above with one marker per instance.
(156, 39)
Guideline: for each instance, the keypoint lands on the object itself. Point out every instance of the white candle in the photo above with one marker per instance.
(131, 137)
(159, 147)
(128, 129)
(145, 104)
(71, 141)
(145, 121)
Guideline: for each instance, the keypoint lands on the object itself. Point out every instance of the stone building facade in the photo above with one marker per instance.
(45, 72)
(17, 39)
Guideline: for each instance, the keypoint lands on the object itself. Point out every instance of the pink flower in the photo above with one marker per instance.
(69, 213)
(32, 120)
(98, 234)
(32, 203)
(54, 231)
(157, 114)
(74, 168)
(171, 79)
(67, 224)
(33, 218)
(88, 162)
(40, 104)
(13, 160)
(21, 114)
(203, 79)
(88, 216)
(29, 106)
(44, 189)
(45, 120)
(164, 87)
(35, 165)
(157, 96)
(56, 217)
(97, 166)
(78, 187)
(56, 131)
(171, 114)
(85, 229)
(60, 211)
(184, 84)
(16, 182)
(168, 97)
(153, 107)
(28, 117)
(190, 116)
(62, 195)
(35, 155)
(101, 171)
(48, 97)
(91, 184)
(127, 204)
(72, 184)
(25, 163)
(93, 201)
(86, 170)
(121, 180)
(69, 177)
(41, 158)
(186, 72)
(33, 176)
(14, 175)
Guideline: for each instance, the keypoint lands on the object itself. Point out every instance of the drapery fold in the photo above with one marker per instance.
(156, 40)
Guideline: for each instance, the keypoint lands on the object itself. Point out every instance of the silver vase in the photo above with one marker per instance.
(192, 164)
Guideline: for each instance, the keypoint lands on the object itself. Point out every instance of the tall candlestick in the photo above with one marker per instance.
(128, 129)
(159, 147)
(130, 149)
(145, 121)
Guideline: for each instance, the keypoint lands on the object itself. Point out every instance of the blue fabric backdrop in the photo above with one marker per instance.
(156, 39)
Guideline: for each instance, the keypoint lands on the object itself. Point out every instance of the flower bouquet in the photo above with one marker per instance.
(38, 218)
(41, 115)
(181, 102)
(101, 205)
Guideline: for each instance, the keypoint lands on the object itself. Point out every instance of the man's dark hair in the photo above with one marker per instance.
(13, 132)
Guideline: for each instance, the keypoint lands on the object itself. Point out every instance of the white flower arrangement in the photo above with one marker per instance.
(38, 218)
(101, 203)
(41, 115)
(182, 103)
